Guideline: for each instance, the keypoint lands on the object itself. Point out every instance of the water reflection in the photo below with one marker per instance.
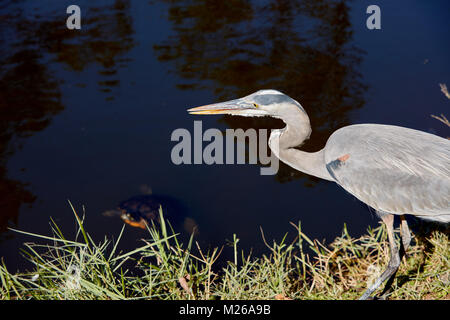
(29, 87)
(107, 35)
(302, 48)
(29, 97)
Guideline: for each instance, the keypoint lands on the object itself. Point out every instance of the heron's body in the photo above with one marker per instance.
(394, 170)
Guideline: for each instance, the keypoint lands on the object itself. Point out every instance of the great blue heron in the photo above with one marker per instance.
(392, 169)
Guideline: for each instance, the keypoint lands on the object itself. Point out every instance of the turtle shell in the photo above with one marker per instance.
(140, 210)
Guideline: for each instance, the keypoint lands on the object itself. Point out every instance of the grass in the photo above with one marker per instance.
(164, 268)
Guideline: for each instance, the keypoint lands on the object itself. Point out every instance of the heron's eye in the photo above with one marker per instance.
(255, 105)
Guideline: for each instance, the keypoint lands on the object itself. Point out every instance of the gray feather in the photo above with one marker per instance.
(393, 169)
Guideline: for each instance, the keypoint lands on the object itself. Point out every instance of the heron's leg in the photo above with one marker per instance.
(404, 232)
(406, 240)
(394, 262)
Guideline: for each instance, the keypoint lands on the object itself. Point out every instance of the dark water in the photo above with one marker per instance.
(87, 115)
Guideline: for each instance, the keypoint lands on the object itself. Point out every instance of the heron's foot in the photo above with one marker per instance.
(376, 297)
(367, 295)
(393, 264)
(388, 274)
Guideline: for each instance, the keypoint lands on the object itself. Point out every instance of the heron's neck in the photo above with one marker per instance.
(283, 142)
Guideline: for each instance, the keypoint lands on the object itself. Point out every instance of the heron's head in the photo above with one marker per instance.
(271, 103)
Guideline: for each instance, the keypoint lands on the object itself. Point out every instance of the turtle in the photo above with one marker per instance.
(138, 211)
(142, 210)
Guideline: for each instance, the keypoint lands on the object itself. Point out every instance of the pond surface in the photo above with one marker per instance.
(87, 115)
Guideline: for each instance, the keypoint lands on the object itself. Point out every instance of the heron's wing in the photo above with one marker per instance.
(393, 169)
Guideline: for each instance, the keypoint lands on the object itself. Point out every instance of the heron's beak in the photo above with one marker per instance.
(229, 107)
(238, 107)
